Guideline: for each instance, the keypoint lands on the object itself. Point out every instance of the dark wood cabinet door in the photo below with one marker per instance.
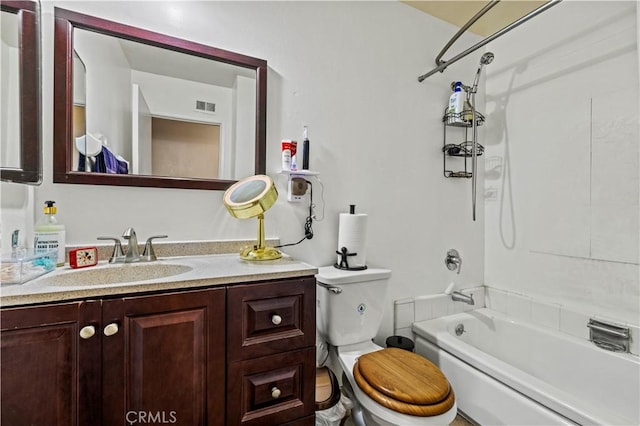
(50, 375)
(269, 318)
(272, 390)
(164, 359)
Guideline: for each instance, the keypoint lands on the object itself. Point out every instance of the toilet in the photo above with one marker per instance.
(388, 386)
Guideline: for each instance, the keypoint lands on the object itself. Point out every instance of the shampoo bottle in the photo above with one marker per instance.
(49, 234)
(456, 104)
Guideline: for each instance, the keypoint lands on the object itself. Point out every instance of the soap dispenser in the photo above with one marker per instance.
(49, 234)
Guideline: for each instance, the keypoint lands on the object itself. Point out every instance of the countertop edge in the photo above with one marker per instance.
(52, 294)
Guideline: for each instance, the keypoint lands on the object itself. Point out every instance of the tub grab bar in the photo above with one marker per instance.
(609, 336)
(609, 329)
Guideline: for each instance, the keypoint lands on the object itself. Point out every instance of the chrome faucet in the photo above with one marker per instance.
(133, 254)
(461, 297)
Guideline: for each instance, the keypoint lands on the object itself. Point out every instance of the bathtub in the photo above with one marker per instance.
(511, 372)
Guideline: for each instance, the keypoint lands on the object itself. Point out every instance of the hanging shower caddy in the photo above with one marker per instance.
(463, 149)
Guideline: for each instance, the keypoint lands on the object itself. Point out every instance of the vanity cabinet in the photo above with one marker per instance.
(224, 355)
(50, 376)
(163, 357)
(271, 352)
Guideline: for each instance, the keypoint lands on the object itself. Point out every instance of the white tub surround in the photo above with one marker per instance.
(563, 162)
(508, 371)
(571, 320)
(422, 308)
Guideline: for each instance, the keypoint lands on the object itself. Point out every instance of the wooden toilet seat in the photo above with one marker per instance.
(404, 382)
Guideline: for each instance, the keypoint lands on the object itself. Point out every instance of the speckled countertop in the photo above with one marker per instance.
(165, 274)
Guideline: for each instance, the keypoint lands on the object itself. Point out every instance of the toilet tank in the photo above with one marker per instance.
(350, 304)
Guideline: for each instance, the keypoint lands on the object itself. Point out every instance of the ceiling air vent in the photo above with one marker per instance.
(205, 106)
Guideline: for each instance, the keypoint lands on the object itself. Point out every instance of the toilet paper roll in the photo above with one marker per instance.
(352, 234)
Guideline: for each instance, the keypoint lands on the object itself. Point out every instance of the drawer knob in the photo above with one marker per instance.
(87, 332)
(110, 329)
(275, 392)
(276, 319)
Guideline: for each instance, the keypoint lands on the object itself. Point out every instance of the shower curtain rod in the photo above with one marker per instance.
(442, 65)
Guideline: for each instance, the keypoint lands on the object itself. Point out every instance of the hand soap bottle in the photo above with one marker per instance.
(49, 234)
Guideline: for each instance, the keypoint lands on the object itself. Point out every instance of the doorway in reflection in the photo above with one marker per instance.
(181, 148)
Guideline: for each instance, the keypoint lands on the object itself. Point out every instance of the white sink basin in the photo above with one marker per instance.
(114, 274)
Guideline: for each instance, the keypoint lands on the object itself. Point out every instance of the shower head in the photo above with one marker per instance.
(487, 58)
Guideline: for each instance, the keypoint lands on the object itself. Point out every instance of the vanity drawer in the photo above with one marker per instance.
(264, 319)
(272, 390)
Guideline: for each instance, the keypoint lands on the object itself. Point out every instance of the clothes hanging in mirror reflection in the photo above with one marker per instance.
(94, 156)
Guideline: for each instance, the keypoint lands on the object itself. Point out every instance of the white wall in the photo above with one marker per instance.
(348, 71)
(563, 159)
(16, 213)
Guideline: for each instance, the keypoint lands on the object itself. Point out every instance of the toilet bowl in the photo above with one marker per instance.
(387, 387)
(373, 412)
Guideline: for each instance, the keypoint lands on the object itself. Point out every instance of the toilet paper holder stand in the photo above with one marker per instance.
(344, 262)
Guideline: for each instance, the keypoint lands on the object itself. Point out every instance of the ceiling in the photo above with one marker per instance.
(155, 60)
(458, 12)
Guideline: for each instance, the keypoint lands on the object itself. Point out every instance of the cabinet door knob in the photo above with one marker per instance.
(110, 329)
(87, 331)
(275, 392)
(276, 319)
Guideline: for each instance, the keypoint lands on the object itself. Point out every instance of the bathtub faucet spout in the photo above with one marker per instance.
(460, 297)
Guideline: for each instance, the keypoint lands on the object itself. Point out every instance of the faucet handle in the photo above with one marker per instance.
(149, 255)
(453, 260)
(117, 254)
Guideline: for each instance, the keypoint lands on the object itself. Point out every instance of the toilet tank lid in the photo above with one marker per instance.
(335, 276)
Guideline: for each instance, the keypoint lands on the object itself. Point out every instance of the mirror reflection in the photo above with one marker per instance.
(136, 112)
(146, 109)
(10, 107)
(20, 153)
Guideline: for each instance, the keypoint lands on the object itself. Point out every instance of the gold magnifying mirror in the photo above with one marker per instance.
(251, 197)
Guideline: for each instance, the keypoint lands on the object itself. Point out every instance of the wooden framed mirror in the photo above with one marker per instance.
(147, 115)
(20, 149)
